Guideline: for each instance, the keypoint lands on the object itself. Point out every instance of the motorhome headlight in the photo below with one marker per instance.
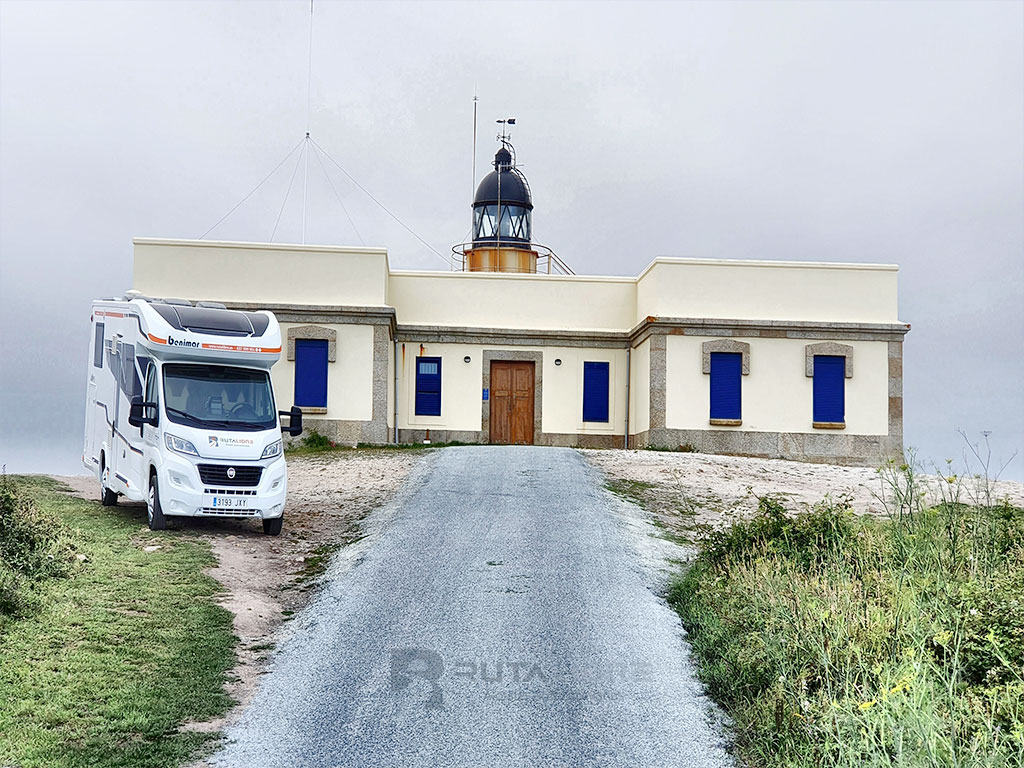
(180, 444)
(272, 450)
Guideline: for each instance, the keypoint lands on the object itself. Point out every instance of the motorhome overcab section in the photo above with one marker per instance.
(180, 410)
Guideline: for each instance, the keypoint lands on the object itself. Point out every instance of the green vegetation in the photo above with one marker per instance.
(684, 448)
(316, 563)
(674, 514)
(314, 444)
(836, 640)
(34, 547)
(637, 492)
(118, 647)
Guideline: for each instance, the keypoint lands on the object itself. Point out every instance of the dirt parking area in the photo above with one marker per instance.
(267, 579)
(687, 490)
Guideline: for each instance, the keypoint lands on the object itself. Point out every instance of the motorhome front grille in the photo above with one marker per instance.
(225, 512)
(228, 474)
(229, 492)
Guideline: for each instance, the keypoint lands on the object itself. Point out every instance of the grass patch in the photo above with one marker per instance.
(684, 448)
(316, 563)
(121, 648)
(672, 514)
(834, 640)
(669, 534)
(315, 444)
(636, 492)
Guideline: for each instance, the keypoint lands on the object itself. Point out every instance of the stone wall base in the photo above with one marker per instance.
(571, 440)
(832, 448)
(440, 436)
(559, 439)
(343, 432)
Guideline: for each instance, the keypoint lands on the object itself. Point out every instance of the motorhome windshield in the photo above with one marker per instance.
(219, 396)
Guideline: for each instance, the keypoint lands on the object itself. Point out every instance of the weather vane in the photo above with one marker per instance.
(503, 137)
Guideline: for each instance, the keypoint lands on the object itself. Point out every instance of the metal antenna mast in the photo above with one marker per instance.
(472, 190)
(306, 145)
(309, 109)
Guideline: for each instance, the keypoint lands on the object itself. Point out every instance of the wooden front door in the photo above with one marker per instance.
(512, 403)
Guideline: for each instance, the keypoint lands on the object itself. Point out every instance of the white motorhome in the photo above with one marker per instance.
(180, 410)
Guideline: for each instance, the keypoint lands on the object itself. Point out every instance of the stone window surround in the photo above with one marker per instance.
(837, 350)
(827, 348)
(725, 345)
(313, 332)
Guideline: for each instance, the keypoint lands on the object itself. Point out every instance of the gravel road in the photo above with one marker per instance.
(502, 616)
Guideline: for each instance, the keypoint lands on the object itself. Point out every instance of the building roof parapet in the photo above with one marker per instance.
(529, 276)
(369, 250)
(766, 263)
(324, 313)
(511, 336)
(792, 329)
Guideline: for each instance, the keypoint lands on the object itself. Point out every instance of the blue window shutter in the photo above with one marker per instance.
(311, 373)
(726, 378)
(595, 391)
(428, 386)
(830, 388)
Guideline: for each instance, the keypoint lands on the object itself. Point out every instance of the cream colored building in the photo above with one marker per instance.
(513, 348)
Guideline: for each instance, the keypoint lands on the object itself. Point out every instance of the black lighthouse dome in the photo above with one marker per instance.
(514, 189)
(504, 189)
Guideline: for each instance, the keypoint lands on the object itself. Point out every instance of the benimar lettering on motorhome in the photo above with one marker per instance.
(180, 416)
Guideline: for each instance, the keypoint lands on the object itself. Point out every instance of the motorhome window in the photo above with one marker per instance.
(97, 347)
(129, 377)
(166, 311)
(259, 322)
(218, 396)
(151, 388)
(218, 322)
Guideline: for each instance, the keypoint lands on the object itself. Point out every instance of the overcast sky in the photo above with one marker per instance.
(889, 132)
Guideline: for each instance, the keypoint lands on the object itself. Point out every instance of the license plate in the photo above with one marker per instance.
(230, 502)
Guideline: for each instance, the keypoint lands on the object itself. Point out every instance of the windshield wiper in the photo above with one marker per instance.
(241, 425)
(223, 423)
(186, 414)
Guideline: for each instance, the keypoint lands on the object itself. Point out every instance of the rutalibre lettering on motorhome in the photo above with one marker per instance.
(234, 348)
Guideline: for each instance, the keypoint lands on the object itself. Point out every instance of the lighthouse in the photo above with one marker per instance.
(502, 219)
(502, 239)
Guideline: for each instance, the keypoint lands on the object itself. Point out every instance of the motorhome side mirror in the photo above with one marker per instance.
(141, 412)
(135, 415)
(294, 427)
